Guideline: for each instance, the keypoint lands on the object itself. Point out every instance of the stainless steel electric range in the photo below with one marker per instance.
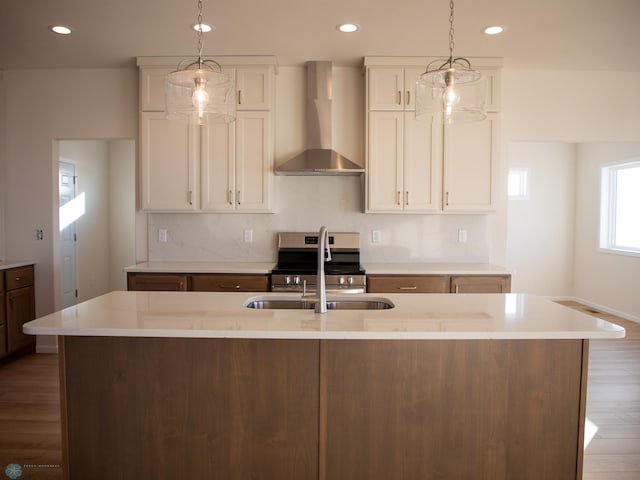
(298, 260)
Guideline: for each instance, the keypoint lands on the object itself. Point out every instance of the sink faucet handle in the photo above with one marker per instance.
(327, 256)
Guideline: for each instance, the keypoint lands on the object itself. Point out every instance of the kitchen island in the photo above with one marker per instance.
(194, 385)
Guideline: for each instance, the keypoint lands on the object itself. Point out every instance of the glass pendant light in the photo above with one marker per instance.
(449, 90)
(199, 93)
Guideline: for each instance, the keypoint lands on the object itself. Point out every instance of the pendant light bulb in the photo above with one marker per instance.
(200, 97)
(450, 96)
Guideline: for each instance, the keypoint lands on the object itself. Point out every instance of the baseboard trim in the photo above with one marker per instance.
(598, 307)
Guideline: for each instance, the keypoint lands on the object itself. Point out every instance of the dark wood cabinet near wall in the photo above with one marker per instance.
(17, 307)
(439, 283)
(210, 282)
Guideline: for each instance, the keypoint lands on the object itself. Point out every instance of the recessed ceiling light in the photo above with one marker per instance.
(60, 29)
(493, 30)
(348, 27)
(202, 27)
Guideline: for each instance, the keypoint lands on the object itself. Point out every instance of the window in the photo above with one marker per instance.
(518, 184)
(620, 207)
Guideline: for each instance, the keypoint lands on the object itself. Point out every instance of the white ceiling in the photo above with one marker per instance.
(565, 34)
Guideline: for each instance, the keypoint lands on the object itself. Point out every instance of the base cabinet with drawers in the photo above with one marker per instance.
(17, 307)
(214, 282)
(438, 283)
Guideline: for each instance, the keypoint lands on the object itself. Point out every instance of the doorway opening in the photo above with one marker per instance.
(96, 217)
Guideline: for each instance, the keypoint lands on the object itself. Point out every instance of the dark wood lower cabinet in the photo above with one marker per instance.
(159, 408)
(481, 410)
(140, 408)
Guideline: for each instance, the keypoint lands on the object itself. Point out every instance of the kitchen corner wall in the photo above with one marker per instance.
(306, 203)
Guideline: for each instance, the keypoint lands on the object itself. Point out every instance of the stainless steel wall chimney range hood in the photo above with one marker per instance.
(319, 158)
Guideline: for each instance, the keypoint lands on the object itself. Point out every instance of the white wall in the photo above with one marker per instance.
(122, 216)
(580, 107)
(607, 280)
(541, 228)
(41, 106)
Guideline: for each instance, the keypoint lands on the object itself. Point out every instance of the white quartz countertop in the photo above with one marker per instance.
(7, 264)
(370, 268)
(434, 269)
(415, 316)
(202, 267)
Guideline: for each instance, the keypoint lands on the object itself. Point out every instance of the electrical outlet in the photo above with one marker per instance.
(39, 234)
(376, 236)
(462, 236)
(248, 236)
(162, 235)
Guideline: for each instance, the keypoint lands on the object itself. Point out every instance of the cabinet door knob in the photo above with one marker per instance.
(406, 197)
(398, 198)
(408, 97)
(230, 197)
(239, 97)
(238, 197)
(190, 197)
(399, 97)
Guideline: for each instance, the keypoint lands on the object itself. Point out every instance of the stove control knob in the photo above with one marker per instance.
(296, 280)
(350, 280)
(341, 281)
(287, 280)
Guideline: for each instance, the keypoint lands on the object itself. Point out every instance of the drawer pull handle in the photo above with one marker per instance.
(399, 97)
(18, 279)
(408, 97)
(235, 287)
(410, 287)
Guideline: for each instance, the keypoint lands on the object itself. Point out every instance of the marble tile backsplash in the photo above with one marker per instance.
(305, 204)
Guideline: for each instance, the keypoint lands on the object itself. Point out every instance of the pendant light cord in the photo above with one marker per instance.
(199, 29)
(451, 31)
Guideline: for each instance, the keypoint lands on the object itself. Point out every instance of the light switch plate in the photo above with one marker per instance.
(248, 236)
(162, 235)
(462, 236)
(376, 236)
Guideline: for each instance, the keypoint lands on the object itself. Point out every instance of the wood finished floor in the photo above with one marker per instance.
(30, 417)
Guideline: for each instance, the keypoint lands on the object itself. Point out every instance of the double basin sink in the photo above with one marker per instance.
(277, 303)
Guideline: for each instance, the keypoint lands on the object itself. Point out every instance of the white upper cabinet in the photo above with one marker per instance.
(470, 151)
(169, 153)
(237, 164)
(214, 168)
(417, 167)
(254, 87)
(403, 167)
(392, 88)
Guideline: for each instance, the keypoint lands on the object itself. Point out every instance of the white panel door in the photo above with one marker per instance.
(67, 195)
(422, 165)
(218, 171)
(169, 152)
(468, 179)
(384, 167)
(254, 161)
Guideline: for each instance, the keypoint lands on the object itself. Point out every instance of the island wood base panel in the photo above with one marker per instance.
(139, 408)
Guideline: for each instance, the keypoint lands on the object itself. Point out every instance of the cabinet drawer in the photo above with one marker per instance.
(408, 283)
(157, 282)
(230, 283)
(19, 277)
(481, 284)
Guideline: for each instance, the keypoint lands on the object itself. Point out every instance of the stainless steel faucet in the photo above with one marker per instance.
(324, 254)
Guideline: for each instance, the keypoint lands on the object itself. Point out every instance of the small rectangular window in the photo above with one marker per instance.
(620, 207)
(518, 184)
